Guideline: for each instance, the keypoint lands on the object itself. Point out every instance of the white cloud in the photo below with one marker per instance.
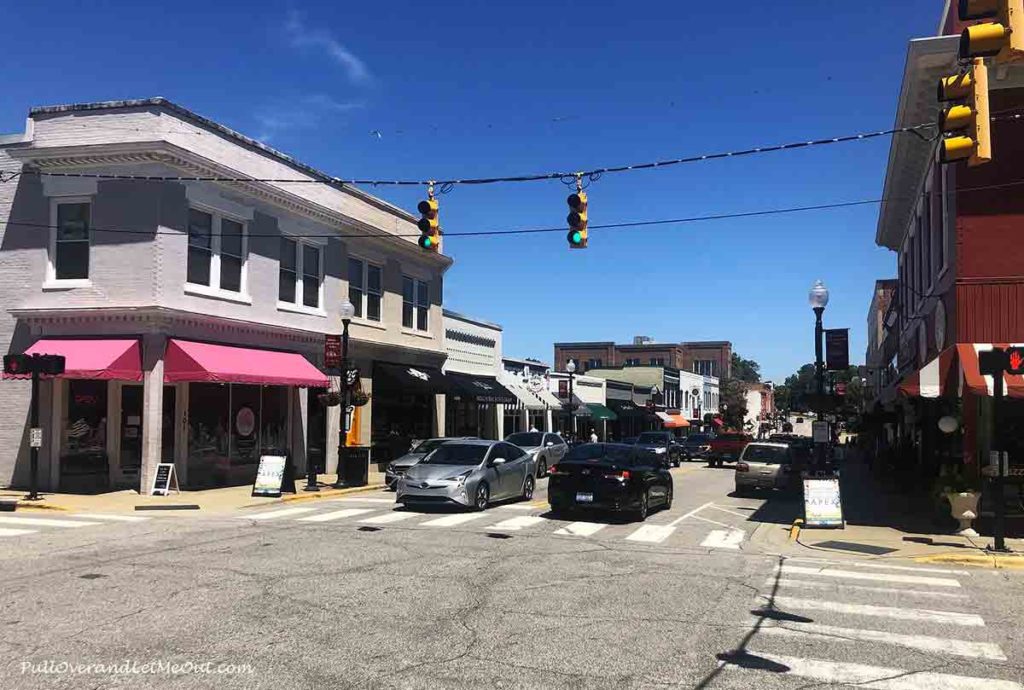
(302, 36)
(305, 112)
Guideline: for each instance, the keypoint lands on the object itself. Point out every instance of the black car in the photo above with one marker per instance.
(612, 477)
(662, 443)
(695, 446)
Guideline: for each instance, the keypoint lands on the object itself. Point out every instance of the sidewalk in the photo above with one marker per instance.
(205, 501)
(881, 523)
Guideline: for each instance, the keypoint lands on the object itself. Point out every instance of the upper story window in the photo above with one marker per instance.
(632, 362)
(594, 364)
(69, 246)
(300, 274)
(415, 303)
(365, 288)
(657, 361)
(704, 367)
(217, 249)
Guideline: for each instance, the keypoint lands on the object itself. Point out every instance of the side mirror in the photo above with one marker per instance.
(497, 461)
(548, 444)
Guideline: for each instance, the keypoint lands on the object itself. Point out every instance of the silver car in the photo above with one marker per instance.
(545, 449)
(765, 466)
(468, 473)
(400, 466)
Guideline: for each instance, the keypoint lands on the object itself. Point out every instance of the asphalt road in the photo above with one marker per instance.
(345, 594)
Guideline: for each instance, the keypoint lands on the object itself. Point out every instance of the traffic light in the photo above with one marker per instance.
(1002, 39)
(577, 220)
(18, 365)
(967, 121)
(429, 225)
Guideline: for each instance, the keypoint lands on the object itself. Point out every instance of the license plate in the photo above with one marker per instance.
(584, 498)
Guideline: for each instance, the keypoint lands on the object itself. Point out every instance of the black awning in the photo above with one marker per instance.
(409, 378)
(483, 389)
(625, 408)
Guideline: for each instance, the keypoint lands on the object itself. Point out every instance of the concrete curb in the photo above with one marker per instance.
(35, 505)
(794, 531)
(323, 493)
(997, 561)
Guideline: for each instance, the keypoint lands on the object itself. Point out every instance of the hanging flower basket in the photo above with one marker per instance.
(331, 399)
(359, 398)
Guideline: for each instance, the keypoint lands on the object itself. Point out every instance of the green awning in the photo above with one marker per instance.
(599, 412)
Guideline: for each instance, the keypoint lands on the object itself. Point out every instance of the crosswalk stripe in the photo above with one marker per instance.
(926, 615)
(388, 518)
(44, 522)
(652, 534)
(925, 643)
(874, 577)
(516, 506)
(110, 517)
(581, 529)
(356, 499)
(880, 566)
(724, 539)
(275, 514)
(8, 532)
(517, 523)
(452, 520)
(807, 584)
(876, 677)
(336, 515)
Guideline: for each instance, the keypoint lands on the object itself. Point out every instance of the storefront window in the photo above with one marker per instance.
(245, 442)
(274, 418)
(208, 444)
(86, 427)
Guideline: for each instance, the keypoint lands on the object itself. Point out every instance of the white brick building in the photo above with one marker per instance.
(256, 265)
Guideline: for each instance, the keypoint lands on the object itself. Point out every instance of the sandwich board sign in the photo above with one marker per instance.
(274, 477)
(823, 506)
(163, 478)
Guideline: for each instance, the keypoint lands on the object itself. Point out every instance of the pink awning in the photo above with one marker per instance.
(93, 359)
(191, 361)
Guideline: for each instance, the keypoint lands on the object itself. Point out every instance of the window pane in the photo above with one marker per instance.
(355, 296)
(230, 273)
(73, 222)
(311, 262)
(407, 315)
(286, 286)
(311, 291)
(373, 307)
(422, 294)
(421, 318)
(355, 273)
(408, 289)
(200, 228)
(230, 238)
(199, 266)
(288, 254)
(373, 279)
(72, 260)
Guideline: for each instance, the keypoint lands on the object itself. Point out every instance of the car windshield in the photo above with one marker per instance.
(526, 439)
(768, 454)
(428, 445)
(653, 439)
(588, 451)
(697, 438)
(457, 454)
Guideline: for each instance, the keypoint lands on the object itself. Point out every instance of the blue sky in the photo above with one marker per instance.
(459, 88)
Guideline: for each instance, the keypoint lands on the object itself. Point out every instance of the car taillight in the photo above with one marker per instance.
(623, 475)
(556, 471)
(742, 467)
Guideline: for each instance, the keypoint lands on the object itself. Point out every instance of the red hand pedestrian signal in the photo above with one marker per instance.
(1015, 360)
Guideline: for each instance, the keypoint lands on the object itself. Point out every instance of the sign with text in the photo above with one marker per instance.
(35, 438)
(819, 431)
(563, 388)
(163, 479)
(837, 349)
(270, 476)
(823, 506)
(332, 351)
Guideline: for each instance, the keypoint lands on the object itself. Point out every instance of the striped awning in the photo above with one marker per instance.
(524, 398)
(957, 368)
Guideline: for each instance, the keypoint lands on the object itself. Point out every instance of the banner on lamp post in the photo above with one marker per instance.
(837, 349)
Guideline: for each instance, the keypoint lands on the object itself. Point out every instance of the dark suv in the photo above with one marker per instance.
(662, 443)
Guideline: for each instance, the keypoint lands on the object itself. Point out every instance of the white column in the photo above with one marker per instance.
(548, 423)
(439, 416)
(526, 418)
(153, 346)
(300, 430)
(499, 421)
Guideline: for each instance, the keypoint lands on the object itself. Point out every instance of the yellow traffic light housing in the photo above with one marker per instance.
(429, 223)
(968, 123)
(577, 220)
(1002, 39)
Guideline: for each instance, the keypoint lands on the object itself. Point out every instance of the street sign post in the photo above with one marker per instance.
(34, 365)
(995, 363)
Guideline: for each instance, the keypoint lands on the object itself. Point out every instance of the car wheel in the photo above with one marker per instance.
(542, 468)
(528, 488)
(645, 505)
(482, 497)
(668, 499)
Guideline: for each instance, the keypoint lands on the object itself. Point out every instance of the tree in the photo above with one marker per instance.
(745, 369)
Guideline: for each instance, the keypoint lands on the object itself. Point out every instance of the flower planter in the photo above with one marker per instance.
(964, 508)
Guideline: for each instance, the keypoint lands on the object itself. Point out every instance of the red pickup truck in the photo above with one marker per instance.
(727, 447)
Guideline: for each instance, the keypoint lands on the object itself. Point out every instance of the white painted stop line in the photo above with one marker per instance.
(652, 534)
(452, 520)
(581, 529)
(877, 677)
(336, 515)
(44, 522)
(275, 514)
(518, 523)
(110, 517)
(388, 518)
(724, 539)
(5, 532)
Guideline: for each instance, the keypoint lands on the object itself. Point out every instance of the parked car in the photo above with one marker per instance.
(695, 446)
(469, 473)
(612, 477)
(661, 443)
(629, 441)
(394, 471)
(544, 449)
(767, 466)
(727, 446)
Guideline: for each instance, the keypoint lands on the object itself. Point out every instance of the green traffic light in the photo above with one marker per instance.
(577, 238)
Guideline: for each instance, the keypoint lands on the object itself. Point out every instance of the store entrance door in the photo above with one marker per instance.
(130, 451)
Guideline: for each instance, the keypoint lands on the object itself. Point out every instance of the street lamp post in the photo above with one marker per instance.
(818, 299)
(571, 368)
(348, 310)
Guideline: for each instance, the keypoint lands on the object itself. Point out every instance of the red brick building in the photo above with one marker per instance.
(710, 358)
